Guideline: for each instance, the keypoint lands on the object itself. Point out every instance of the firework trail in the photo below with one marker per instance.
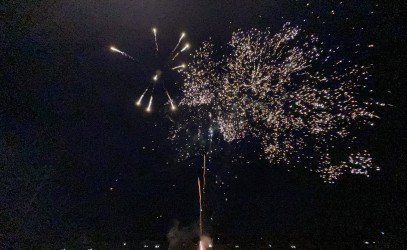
(182, 50)
(173, 107)
(287, 91)
(155, 41)
(201, 194)
(114, 49)
(204, 174)
(149, 104)
(200, 206)
(138, 103)
(179, 41)
(182, 66)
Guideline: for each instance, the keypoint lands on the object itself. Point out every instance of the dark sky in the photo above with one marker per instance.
(78, 159)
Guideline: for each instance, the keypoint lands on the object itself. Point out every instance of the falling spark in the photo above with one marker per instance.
(114, 49)
(138, 103)
(185, 47)
(139, 100)
(182, 66)
(149, 104)
(182, 50)
(173, 107)
(155, 40)
(179, 41)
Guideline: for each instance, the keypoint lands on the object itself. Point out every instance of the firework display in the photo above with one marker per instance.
(286, 90)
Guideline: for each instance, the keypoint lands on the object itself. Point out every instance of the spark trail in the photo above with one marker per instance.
(155, 41)
(179, 41)
(201, 195)
(114, 49)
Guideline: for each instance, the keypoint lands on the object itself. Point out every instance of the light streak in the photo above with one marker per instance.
(114, 49)
(201, 193)
(138, 103)
(179, 41)
(182, 50)
(185, 47)
(149, 104)
(155, 40)
(173, 107)
(182, 66)
(200, 206)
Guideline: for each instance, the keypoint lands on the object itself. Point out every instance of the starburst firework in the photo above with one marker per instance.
(156, 75)
(287, 91)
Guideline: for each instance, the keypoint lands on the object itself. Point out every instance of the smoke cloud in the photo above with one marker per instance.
(180, 237)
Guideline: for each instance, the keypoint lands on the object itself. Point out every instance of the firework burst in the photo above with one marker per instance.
(171, 64)
(287, 91)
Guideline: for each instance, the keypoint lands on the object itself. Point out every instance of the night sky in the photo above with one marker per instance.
(82, 167)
